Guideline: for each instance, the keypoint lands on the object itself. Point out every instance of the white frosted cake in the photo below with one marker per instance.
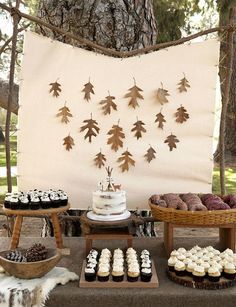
(109, 202)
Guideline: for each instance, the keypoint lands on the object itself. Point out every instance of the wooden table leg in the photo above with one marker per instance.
(88, 244)
(57, 230)
(16, 232)
(129, 242)
(227, 238)
(168, 237)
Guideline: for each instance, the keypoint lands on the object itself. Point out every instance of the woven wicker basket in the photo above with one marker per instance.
(217, 217)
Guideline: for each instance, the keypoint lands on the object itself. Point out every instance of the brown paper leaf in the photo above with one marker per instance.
(100, 160)
(162, 94)
(181, 115)
(55, 89)
(183, 84)
(88, 90)
(68, 142)
(171, 140)
(108, 104)
(150, 155)
(93, 129)
(64, 112)
(138, 129)
(160, 119)
(125, 161)
(134, 95)
(115, 140)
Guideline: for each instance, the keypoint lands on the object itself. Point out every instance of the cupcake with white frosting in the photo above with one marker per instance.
(229, 271)
(103, 272)
(199, 273)
(180, 268)
(133, 271)
(146, 274)
(190, 267)
(214, 274)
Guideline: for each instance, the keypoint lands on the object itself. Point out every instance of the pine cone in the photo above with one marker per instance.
(36, 252)
(16, 256)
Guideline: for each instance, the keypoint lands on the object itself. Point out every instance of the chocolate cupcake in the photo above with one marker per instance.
(14, 203)
(45, 202)
(133, 272)
(180, 268)
(55, 200)
(24, 203)
(214, 274)
(89, 273)
(117, 273)
(63, 199)
(229, 271)
(146, 274)
(103, 272)
(7, 201)
(199, 273)
(34, 203)
(189, 268)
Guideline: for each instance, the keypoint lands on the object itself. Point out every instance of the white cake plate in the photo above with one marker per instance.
(108, 218)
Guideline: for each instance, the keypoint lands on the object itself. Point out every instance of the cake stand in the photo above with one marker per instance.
(108, 218)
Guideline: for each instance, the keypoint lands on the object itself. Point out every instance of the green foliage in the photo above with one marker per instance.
(230, 180)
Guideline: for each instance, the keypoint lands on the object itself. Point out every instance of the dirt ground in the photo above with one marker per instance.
(32, 228)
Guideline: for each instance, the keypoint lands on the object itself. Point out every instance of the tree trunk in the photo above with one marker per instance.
(122, 25)
(4, 90)
(230, 131)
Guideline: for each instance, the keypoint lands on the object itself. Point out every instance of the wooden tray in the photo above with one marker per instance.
(123, 284)
(187, 281)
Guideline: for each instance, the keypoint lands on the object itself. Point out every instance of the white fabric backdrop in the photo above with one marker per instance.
(43, 161)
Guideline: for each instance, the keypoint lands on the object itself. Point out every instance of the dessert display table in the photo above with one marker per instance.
(20, 214)
(226, 235)
(167, 294)
(112, 230)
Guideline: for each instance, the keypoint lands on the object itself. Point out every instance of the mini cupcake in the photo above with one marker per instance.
(133, 272)
(35, 203)
(63, 199)
(146, 274)
(206, 266)
(55, 200)
(117, 273)
(7, 201)
(103, 272)
(181, 257)
(214, 274)
(45, 202)
(180, 268)
(14, 203)
(181, 250)
(229, 271)
(174, 253)
(199, 273)
(89, 273)
(24, 203)
(190, 267)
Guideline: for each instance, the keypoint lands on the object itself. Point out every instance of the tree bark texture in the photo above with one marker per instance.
(4, 92)
(230, 131)
(122, 25)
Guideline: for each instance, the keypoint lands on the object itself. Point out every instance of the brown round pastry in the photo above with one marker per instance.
(193, 202)
(174, 201)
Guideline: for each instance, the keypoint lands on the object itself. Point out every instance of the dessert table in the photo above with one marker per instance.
(168, 293)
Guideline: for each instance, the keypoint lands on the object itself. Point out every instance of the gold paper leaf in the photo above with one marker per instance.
(108, 104)
(64, 112)
(88, 90)
(181, 115)
(138, 129)
(171, 141)
(116, 136)
(68, 142)
(150, 155)
(55, 89)
(100, 160)
(125, 161)
(92, 128)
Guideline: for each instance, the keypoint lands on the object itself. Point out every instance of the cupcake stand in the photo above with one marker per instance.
(20, 214)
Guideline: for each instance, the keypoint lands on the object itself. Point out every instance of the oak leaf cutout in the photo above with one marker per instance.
(183, 85)
(138, 129)
(64, 112)
(134, 95)
(68, 142)
(108, 104)
(116, 135)
(92, 129)
(171, 141)
(100, 160)
(125, 161)
(162, 94)
(55, 89)
(150, 155)
(181, 115)
(160, 119)
(88, 90)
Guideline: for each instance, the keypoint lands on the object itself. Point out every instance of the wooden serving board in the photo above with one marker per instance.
(154, 283)
(187, 281)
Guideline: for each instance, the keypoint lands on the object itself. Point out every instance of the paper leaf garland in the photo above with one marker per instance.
(134, 95)
(100, 160)
(150, 155)
(160, 119)
(68, 142)
(88, 90)
(108, 104)
(55, 89)
(93, 129)
(183, 84)
(116, 136)
(138, 129)
(171, 141)
(125, 161)
(181, 115)
(162, 94)
(64, 112)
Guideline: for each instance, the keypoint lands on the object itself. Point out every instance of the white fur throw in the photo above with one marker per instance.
(16, 292)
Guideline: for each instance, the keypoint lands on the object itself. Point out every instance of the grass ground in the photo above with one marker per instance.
(13, 142)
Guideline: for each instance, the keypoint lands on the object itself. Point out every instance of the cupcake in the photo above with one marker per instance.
(146, 274)
(14, 203)
(181, 250)
(171, 263)
(103, 272)
(7, 201)
(181, 257)
(24, 203)
(198, 273)
(180, 268)
(63, 199)
(214, 274)
(117, 273)
(133, 272)
(190, 267)
(35, 203)
(229, 271)
(174, 253)
(206, 266)
(45, 202)
(55, 200)
(90, 273)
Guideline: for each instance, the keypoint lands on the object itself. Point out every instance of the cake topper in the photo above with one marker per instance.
(111, 187)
